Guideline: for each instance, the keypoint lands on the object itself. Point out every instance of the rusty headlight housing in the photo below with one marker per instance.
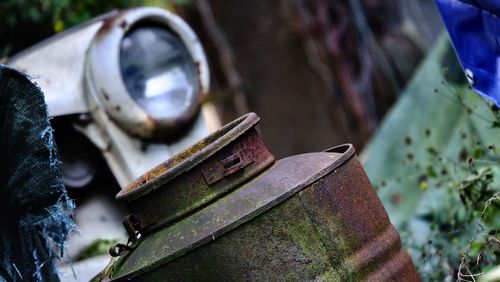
(148, 72)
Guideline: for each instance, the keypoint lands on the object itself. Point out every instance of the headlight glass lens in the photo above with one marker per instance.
(159, 72)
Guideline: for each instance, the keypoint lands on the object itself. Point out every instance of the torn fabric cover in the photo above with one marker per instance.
(474, 28)
(36, 211)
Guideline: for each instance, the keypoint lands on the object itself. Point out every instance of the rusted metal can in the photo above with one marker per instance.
(224, 210)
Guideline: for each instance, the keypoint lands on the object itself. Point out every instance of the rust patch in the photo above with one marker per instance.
(198, 76)
(109, 22)
(151, 120)
(198, 68)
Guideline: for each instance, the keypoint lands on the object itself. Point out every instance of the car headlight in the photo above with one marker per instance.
(159, 73)
(147, 70)
(123, 78)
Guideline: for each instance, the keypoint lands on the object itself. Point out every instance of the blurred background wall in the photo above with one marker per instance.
(318, 72)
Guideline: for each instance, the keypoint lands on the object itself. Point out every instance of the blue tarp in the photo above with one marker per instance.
(474, 28)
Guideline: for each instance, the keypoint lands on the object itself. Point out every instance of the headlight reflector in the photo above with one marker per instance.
(158, 72)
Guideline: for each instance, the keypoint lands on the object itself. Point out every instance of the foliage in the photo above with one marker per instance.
(24, 23)
(97, 248)
(465, 221)
(437, 168)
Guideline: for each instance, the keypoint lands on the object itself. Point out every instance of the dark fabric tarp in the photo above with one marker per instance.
(36, 213)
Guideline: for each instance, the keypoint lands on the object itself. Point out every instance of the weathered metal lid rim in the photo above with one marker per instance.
(187, 159)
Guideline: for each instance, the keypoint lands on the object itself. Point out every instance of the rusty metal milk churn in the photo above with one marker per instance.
(225, 210)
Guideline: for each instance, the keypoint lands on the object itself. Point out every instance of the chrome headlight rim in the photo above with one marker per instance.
(104, 72)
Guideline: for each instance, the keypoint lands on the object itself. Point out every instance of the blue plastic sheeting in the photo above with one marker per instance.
(474, 28)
